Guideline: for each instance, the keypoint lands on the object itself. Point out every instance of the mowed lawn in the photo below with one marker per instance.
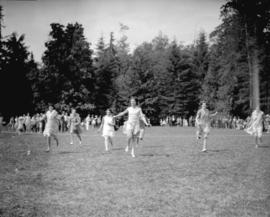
(168, 177)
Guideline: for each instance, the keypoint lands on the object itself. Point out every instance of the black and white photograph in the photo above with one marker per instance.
(135, 108)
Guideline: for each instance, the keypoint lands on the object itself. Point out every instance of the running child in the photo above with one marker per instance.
(107, 127)
(132, 125)
(255, 126)
(74, 126)
(51, 127)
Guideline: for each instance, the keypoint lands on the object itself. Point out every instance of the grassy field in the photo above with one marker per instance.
(168, 177)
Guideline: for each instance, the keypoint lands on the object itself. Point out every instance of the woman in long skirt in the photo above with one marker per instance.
(74, 126)
(203, 119)
(51, 127)
(255, 126)
(132, 125)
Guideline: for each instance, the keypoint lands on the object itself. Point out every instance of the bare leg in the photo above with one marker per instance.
(79, 137)
(48, 143)
(256, 141)
(133, 144)
(128, 143)
(204, 143)
(106, 143)
(71, 138)
(56, 140)
(111, 141)
(260, 140)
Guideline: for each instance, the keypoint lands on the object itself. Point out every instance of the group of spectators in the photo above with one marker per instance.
(36, 122)
(227, 122)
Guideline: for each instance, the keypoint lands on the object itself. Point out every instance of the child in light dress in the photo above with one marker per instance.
(132, 128)
(107, 127)
(74, 126)
(51, 127)
(255, 126)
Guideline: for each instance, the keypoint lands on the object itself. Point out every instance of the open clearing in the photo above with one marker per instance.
(168, 177)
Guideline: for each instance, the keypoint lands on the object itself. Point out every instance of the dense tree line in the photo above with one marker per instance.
(166, 77)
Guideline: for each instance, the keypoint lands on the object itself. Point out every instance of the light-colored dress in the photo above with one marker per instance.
(203, 120)
(133, 122)
(20, 126)
(51, 127)
(75, 121)
(256, 124)
(108, 128)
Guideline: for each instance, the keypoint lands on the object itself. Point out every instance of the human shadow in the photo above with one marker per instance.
(152, 155)
(263, 146)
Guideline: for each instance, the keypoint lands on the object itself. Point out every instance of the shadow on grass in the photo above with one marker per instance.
(263, 146)
(218, 150)
(69, 152)
(152, 155)
(117, 149)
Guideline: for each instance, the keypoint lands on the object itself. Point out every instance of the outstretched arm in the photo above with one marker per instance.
(144, 119)
(121, 114)
(214, 114)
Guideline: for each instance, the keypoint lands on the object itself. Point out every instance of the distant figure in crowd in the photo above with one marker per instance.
(20, 125)
(1, 122)
(51, 126)
(203, 119)
(255, 126)
(107, 127)
(74, 126)
(133, 124)
(87, 122)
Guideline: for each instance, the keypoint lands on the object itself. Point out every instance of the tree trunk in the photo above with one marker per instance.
(255, 79)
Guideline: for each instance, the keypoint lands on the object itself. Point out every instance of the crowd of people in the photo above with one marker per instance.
(227, 122)
(36, 122)
(53, 122)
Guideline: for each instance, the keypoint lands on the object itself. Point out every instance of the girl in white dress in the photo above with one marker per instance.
(74, 126)
(107, 127)
(51, 127)
(255, 126)
(203, 119)
(132, 128)
(20, 127)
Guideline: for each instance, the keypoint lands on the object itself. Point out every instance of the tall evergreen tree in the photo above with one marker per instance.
(14, 77)
(67, 77)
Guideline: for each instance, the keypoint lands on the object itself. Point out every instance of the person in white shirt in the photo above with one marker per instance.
(203, 119)
(87, 122)
(255, 126)
(51, 127)
(107, 127)
(133, 124)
